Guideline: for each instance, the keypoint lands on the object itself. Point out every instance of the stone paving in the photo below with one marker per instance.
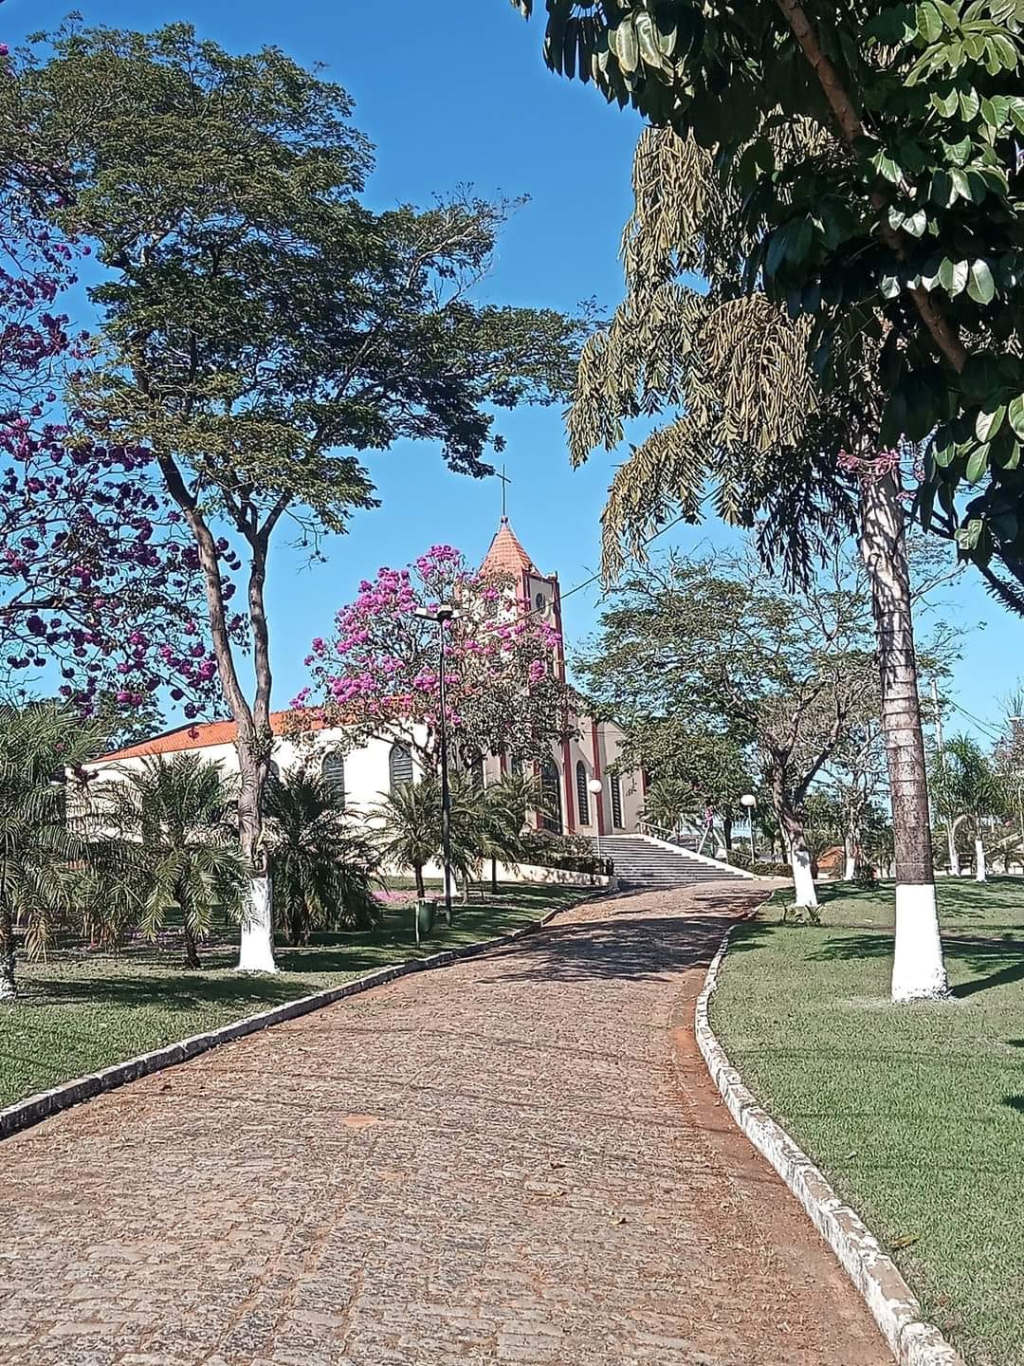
(519, 1159)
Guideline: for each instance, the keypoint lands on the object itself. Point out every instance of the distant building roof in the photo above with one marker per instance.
(199, 735)
(506, 555)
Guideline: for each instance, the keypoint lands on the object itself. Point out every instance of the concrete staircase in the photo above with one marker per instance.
(641, 861)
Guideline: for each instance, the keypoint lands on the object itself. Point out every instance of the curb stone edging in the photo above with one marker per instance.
(23, 1114)
(892, 1303)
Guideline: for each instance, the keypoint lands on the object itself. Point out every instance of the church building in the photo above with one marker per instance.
(360, 775)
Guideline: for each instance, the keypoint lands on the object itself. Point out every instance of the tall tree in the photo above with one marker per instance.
(260, 325)
(90, 580)
(705, 640)
(897, 233)
(749, 417)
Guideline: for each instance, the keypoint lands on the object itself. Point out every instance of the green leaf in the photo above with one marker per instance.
(970, 105)
(944, 449)
(961, 185)
(623, 42)
(958, 152)
(989, 422)
(916, 224)
(929, 23)
(946, 105)
(1015, 412)
(1008, 54)
(977, 464)
(1016, 103)
(981, 286)
(890, 287)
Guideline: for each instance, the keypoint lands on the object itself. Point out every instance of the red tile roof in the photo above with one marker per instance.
(506, 555)
(199, 735)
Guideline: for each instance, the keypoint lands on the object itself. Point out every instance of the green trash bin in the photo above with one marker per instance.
(426, 915)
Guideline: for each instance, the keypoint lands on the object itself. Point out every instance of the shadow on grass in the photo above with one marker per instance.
(1014, 1103)
(995, 963)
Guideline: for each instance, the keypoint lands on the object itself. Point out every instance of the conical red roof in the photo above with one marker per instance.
(506, 555)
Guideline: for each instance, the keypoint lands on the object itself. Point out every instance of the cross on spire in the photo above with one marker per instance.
(505, 481)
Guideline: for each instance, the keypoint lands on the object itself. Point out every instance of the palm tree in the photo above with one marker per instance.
(41, 843)
(176, 813)
(408, 822)
(502, 818)
(730, 373)
(970, 789)
(323, 870)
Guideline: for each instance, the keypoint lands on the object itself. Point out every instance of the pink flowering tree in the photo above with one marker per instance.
(377, 675)
(97, 582)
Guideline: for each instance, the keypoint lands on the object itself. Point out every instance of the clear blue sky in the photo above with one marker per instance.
(456, 93)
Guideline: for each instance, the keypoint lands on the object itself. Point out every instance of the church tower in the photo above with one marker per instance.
(507, 558)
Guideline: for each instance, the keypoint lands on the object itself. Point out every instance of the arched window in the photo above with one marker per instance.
(400, 765)
(333, 773)
(616, 786)
(582, 793)
(552, 789)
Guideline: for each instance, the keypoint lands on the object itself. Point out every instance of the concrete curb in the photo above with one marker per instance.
(23, 1114)
(876, 1276)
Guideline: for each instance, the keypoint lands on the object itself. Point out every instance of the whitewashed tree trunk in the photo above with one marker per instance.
(803, 878)
(850, 861)
(918, 972)
(979, 860)
(954, 857)
(918, 969)
(256, 953)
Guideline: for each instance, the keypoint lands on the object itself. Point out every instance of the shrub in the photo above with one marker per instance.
(573, 853)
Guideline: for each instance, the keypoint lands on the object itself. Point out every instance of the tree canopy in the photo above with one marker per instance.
(896, 234)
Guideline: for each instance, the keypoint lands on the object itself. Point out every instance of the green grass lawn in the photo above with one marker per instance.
(917, 1113)
(81, 1010)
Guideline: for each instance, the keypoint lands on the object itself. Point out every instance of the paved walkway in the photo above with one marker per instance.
(519, 1159)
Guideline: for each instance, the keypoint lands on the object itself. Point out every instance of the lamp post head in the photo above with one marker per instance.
(748, 800)
(443, 612)
(595, 786)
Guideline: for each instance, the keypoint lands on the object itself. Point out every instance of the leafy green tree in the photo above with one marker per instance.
(324, 868)
(971, 790)
(748, 416)
(706, 640)
(40, 841)
(261, 328)
(504, 806)
(178, 815)
(897, 234)
(693, 769)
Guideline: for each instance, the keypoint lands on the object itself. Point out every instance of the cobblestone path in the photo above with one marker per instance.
(518, 1159)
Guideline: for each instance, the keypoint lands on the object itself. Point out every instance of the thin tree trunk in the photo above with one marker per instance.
(850, 858)
(421, 890)
(254, 740)
(8, 986)
(979, 860)
(191, 948)
(494, 877)
(918, 969)
(954, 857)
(727, 832)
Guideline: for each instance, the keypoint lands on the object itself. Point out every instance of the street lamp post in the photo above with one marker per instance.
(749, 801)
(442, 615)
(595, 787)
